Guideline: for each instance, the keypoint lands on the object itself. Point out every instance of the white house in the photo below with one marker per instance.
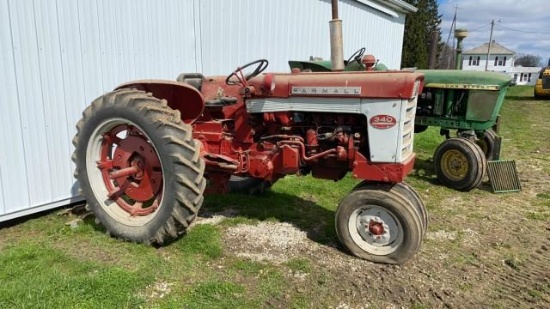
(501, 59)
(57, 56)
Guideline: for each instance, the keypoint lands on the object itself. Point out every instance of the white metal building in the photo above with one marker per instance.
(56, 56)
(525, 75)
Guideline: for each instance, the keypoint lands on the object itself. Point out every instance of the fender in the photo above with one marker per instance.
(179, 96)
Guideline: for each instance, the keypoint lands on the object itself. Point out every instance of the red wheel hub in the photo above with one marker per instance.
(376, 228)
(132, 172)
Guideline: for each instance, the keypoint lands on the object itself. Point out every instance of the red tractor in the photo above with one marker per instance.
(147, 151)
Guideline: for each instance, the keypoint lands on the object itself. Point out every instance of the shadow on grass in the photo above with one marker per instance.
(424, 170)
(306, 215)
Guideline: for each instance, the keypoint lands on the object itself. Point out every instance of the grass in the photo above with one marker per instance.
(46, 263)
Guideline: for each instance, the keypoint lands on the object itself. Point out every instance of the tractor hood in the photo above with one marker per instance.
(457, 79)
(386, 84)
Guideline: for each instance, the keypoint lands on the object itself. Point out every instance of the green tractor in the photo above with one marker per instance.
(467, 102)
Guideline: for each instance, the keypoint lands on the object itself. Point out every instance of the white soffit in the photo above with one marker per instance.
(379, 7)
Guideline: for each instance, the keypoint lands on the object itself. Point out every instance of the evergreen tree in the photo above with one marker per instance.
(418, 33)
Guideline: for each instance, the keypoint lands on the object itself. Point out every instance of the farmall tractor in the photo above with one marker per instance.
(147, 151)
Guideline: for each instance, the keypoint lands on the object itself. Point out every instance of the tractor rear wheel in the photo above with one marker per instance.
(138, 167)
(487, 144)
(460, 164)
(378, 222)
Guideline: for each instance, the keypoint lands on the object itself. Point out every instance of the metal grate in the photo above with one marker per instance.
(503, 176)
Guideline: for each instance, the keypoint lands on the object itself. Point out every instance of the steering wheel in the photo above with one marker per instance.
(357, 55)
(242, 79)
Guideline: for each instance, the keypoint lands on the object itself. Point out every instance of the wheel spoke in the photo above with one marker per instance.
(125, 172)
(118, 191)
(105, 164)
(135, 209)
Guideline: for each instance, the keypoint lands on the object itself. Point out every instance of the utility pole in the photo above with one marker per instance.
(490, 41)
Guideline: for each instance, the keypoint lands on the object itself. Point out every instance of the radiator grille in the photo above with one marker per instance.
(546, 82)
(503, 176)
(407, 135)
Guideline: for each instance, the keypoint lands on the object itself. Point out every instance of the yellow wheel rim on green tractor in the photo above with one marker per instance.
(454, 165)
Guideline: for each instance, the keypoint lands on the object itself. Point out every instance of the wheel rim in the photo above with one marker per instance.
(454, 165)
(124, 171)
(375, 230)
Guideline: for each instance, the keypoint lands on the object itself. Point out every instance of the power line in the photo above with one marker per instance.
(487, 24)
(524, 31)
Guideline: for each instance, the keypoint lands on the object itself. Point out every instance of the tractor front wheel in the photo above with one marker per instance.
(138, 167)
(381, 223)
(487, 143)
(460, 164)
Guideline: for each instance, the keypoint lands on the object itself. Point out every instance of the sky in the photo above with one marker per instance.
(520, 25)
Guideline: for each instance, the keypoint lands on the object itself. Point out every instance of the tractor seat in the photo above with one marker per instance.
(193, 79)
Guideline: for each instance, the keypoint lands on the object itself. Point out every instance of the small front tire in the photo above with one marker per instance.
(487, 143)
(377, 222)
(460, 164)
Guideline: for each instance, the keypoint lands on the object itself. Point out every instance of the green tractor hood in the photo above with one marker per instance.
(457, 79)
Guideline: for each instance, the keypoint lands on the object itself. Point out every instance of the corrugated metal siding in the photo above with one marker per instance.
(57, 56)
(237, 32)
(380, 33)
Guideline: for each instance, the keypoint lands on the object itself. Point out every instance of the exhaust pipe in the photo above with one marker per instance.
(336, 41)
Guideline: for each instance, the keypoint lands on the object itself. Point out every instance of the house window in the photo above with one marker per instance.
(475, 61)
(496, 61)
(515, 77)
(504, 64)
(470, 61)
(521, 77)
(529, 78)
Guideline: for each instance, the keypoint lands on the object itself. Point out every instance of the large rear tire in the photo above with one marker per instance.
(380, 223)
(138, 167)
(460, 164)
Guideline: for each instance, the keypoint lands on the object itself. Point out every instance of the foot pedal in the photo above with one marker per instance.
(503, 176)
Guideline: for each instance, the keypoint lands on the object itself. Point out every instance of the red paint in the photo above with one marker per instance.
(376, 228)
(382, 122)
(132, 172)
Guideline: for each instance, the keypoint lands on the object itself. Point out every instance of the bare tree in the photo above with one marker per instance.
(527, 60)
